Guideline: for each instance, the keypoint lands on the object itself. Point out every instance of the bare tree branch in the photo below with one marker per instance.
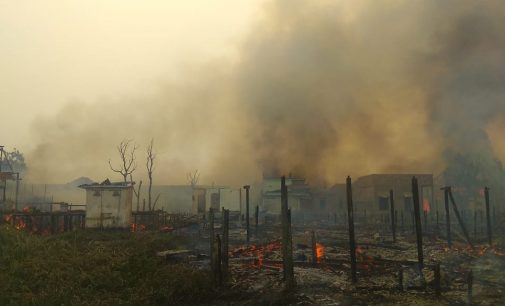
(151, 156)
(127, 156)
(193, 178)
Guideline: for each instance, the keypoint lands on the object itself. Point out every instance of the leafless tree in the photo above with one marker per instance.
(193, 178)
(127, 154)
(151, 156)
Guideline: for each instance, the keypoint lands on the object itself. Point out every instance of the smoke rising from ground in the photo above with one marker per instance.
(321, 89)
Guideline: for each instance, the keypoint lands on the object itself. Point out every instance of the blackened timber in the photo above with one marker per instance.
(219, 271)
(248, 233)
(287, 245)
(461, 223)
(393, 219)
(447, 215)
(488, 217)
(350, 218)
(211, 239)
(226, 231)
(417, 216)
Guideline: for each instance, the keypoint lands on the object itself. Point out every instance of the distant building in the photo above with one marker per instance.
(108, 205)
(215, 197)
(371, 193)
(299, 195)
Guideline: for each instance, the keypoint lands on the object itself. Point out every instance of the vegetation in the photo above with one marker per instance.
(95, 268)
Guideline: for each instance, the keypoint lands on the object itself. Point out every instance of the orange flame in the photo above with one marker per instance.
(319, 252)
(20, 225)
(137, 227)
(426, 205)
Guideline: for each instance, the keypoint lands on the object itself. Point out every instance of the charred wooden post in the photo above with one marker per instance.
(461, 223)
(350, 217)
(211, 239)
(470, 286)
(226, 239)
(488, 217)
(248, 233)
(393, 221)
(417, 215)
(400, 279)
(447, 215)
(218, 264)
(314, 248)
(287, 246)
(256, 219)
(437, 279)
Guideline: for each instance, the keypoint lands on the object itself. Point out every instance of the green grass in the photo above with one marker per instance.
(95, 268)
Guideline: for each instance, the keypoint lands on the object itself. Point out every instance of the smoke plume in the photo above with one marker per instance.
(322, 89)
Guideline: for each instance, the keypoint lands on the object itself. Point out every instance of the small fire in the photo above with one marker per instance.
(426, 205)
(20, 225)
(319, 252)
(137, 227)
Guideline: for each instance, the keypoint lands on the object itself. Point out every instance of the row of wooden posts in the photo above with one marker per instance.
(219, 244)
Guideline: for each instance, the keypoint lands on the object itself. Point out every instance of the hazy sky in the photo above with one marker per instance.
(55, 51)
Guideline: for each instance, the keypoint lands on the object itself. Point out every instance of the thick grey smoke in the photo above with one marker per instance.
(322, 89)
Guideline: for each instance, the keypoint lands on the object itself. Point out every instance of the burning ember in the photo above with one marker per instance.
(426, 205)
(20, 225)
(319, 252)
(137, 227)
(259, 252)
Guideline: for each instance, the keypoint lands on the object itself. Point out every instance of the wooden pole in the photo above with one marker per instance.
(246, 187)
(447, 216)
(350, 217)
(226, 231)
(219, 272)
(393, 221)
(287, 247)
(461, 223)
(211, 239)
(314, 248)
(417, 216)
(488, 217)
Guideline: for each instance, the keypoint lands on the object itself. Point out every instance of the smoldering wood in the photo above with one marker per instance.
(350, 216)
(226, 233)
(248, 233)
(417, 215)
(393, 218)
(287, 247)
(447, 215)
(488, 217)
